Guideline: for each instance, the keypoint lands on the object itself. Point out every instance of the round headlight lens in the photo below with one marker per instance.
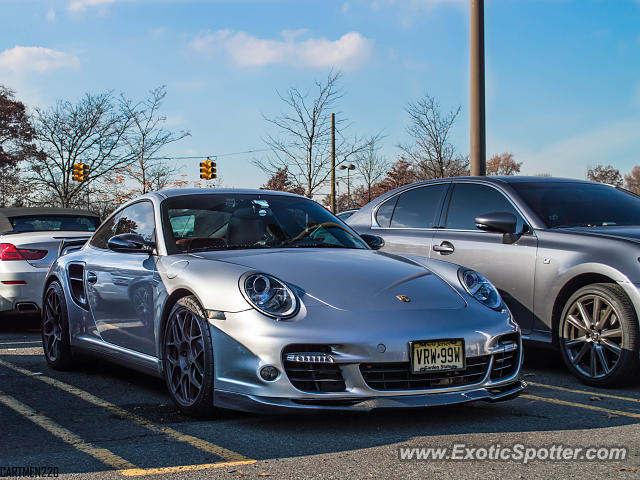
(270, 296)
(480, 288)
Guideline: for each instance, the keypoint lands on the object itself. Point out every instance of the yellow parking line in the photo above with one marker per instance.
(101, 454)
(581, 405)
(583, 392)
(227, 455)
(138, 472)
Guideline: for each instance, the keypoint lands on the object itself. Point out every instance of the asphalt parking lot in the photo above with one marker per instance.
(103, 421)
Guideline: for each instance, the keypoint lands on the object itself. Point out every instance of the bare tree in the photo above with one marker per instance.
(91, 132)
(371, 166)
(503, 164)
(431, 151)
(146, 137)
(605, 174)
(303, 142)
(632, 180)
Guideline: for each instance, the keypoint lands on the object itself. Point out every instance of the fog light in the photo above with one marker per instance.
(269, 373)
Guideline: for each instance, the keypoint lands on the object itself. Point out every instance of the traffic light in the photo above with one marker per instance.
(207, 170)
(80, 171)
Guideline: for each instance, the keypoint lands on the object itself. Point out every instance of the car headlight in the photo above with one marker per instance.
(269, 295)
(480, 288)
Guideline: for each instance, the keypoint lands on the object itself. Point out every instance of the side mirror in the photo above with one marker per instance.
(499, 222)
(375, 242)
(130, 243)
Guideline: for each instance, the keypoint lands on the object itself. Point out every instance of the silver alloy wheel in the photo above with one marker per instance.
(185, 356)
(592, 336)
(52, 331)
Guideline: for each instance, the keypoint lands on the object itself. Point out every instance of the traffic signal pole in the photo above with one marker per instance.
(477, 109)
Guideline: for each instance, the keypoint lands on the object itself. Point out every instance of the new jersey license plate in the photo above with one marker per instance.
(437, 355)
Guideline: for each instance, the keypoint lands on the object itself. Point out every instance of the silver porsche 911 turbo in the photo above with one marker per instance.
(265, 301)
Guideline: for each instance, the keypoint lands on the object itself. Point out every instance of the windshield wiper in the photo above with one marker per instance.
(226, 247)
(315, 245)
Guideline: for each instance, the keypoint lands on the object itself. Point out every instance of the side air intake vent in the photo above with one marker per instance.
(76, 283)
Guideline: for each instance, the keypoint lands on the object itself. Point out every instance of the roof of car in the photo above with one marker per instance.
(527, 179)
(177, 192)
(7, 213)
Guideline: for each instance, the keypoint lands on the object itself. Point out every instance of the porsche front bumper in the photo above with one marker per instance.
(361, 361)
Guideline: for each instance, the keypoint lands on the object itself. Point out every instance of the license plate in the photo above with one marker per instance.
(437, 355)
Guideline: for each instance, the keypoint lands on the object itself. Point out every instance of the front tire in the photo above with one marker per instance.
(188, 358)
(55, 328)
(598, 336)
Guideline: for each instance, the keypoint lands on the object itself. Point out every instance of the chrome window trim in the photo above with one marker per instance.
(374, 222)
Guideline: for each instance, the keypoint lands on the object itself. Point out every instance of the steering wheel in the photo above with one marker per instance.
(312, 228)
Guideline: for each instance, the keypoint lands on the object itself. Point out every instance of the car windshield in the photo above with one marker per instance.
(568, 204)
(45, 223)
(239, 221)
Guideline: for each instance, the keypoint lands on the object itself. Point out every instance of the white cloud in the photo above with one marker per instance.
(79, 6)
(412, 4)
(614, 143)
(36, 59)
(350, 51)
(158, 32)
(50, 15)
(345, 7)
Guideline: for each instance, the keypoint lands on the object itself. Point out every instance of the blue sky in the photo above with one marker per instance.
(563, 76)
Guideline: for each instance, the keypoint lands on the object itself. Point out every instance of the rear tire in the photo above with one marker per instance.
(188, 358)
(55, 328)
(598, 336)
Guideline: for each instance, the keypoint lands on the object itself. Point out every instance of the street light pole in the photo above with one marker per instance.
(477, 110)
(333, 163)
(348, 167)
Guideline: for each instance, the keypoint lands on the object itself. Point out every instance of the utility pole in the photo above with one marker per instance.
(333, 163)
(478, 139)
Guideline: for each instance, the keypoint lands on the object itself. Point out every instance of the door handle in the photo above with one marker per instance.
(445, 248)
(92, 277)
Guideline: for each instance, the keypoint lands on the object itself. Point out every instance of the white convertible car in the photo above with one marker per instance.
(30, 240)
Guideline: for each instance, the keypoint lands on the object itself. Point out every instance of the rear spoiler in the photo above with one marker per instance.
(68, 245)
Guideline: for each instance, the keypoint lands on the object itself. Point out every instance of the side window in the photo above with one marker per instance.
(104, 233)
(417, 208)
(137, 218)
(471, 200)
(383, 216)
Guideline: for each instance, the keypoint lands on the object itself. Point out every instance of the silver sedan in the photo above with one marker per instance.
(257, 301)
(563, 253)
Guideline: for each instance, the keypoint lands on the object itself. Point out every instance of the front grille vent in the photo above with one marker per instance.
(398, 376)
(505, 362)
(314, 377)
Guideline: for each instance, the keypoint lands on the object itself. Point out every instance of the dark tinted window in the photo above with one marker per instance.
(137, 218)
(54, 223)
(383, 216)
(471, 200)
(417, 208)
(564, 204)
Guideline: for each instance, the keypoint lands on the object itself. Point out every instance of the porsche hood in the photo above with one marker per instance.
(350, 279)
